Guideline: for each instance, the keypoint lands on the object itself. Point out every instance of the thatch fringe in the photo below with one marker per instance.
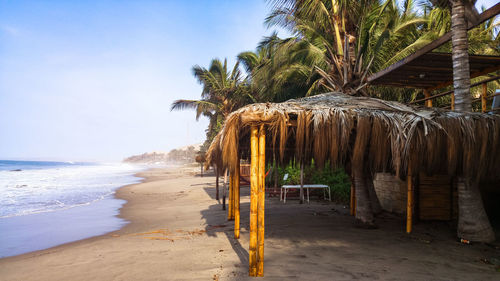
(384, 136)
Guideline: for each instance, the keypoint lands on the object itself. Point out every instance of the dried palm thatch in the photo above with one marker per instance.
(378, 135)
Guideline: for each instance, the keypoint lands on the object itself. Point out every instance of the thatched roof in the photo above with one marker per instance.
(378, 135)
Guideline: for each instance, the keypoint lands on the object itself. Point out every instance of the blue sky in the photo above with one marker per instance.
(94, 80)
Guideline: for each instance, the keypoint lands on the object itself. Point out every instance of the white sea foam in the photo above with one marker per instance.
(62, 187)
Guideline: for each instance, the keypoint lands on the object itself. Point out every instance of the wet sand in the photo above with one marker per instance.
(177, 231)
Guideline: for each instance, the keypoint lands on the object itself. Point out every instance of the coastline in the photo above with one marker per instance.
(142, 178)
(45, 229)
(177, 231)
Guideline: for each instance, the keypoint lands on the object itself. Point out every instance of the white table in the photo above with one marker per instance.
(285, 187)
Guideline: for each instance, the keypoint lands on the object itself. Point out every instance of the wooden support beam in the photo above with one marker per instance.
(254, 187)
(484, 94)
(409, 201)
(472, 75)
(428, 102)
(236, 183)
(451, 91)
(230, 204)
(262, 200)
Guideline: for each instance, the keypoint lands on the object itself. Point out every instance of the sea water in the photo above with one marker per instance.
(44, 204)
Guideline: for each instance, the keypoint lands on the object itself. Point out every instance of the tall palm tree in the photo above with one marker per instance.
(340, 42)
(460, 56)
(473, 222)
(223, 92)
(273, 74)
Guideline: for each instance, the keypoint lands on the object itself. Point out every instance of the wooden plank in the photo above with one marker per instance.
(261, 201)
(254, 186)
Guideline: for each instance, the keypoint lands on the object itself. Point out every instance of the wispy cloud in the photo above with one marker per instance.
(9, 30)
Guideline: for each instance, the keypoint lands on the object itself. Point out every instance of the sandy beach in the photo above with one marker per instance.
(177, 231)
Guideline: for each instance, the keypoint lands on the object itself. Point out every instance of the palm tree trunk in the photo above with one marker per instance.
(376, 208)
(364, 212)
(473, 223)
(460, 56)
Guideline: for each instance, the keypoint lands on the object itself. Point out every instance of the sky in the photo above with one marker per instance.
(94, 80)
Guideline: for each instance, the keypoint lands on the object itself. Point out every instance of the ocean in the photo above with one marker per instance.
(44, 204)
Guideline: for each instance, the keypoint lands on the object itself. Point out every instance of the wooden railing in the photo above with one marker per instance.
(483, 98)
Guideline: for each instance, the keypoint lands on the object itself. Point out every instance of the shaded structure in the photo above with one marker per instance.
(431, 71)
(366, 136)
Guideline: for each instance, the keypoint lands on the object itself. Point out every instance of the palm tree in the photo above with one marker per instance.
(272, 74)
(339, 42)
(473, 222)
(460, 56)
(223, 92)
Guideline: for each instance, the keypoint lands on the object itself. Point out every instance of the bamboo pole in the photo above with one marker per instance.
(230, 203)
(409, 201)
(483, 97)
(237, 200)
(452, 101)
(224, 190)
(254, 186)
(427, 94)
(261, 201)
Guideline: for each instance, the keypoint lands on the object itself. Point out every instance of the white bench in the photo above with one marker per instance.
(286, 187)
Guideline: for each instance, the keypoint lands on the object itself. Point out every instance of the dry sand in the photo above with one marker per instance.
(179, 232)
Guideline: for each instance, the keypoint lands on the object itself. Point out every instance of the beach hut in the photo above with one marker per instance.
(367, 136)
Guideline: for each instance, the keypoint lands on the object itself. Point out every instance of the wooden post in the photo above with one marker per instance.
(409, 201)
(237, 200)
(216, 182)
(483, 97)
(427, 94)
(230, 203)
(254, 186)
(224, 190)
(261, 201)
(452, 101)
(353, 199)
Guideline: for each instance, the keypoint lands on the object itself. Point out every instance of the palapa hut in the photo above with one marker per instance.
(365, 135)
